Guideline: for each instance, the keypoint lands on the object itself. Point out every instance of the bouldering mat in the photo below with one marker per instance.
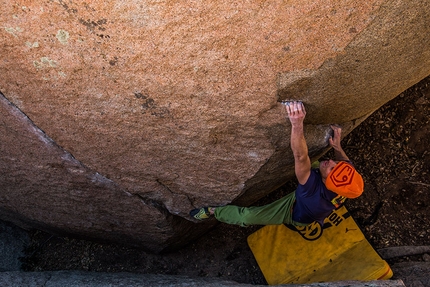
(335, 251)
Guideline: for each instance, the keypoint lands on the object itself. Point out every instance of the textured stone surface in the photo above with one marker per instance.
(415, 274)
(139, 111)
(46, 187)
(400, 251)
(13, 241)
(92, 279)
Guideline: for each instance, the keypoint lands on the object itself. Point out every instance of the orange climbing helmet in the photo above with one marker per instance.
(344, 180)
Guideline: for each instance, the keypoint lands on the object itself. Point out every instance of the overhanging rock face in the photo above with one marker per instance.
(118, 117)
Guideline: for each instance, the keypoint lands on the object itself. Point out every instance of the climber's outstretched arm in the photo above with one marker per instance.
(302, 163)
(334, 141)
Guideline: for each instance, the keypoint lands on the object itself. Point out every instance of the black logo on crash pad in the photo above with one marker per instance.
(314, 230)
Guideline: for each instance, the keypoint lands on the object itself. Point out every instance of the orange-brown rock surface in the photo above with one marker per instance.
(118, 117)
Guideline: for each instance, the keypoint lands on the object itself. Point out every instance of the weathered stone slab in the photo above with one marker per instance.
(44, 186)
(414, 274)
(92, 279)
(400, 251)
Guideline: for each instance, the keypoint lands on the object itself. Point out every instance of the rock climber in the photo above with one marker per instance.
(320, 190)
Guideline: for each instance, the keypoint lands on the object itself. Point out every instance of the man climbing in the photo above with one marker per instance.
(319, 192)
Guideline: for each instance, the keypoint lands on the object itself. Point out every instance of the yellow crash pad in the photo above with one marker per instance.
(333, 252)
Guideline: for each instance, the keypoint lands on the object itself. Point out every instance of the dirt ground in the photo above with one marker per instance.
(390, 149)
